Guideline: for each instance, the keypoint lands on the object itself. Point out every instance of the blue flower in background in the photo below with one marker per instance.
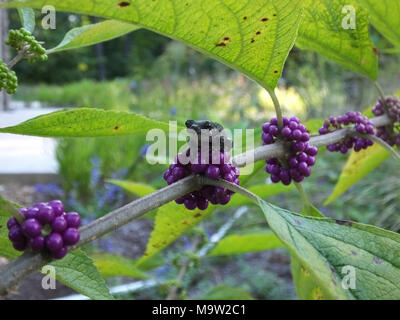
(144, 149)
(173, 111)
(50, 189)
(95, 173)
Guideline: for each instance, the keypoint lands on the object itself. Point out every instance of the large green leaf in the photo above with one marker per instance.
(357, 166)
(238, 243)
(223, 292)
(324, 246)
(6, 248)
(385, 17)
(321, 30)
(77, 271)
(110, 265)
(86, 122)
(253, 37)
(27, 17)
(93, 33)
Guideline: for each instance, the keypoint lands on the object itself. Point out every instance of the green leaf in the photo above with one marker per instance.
(321, 30)
(385, 17)
(27, 17)
(358, 166)
(306, 286)
(6, 248)
(312, 211)
(262, 190)
(253, 37)
(324, 246)
(110, 265)
(237, 244)
(86, 122)
(224, 292)
(92, 34)
(313, 125)
(77, 271)
(139, 189)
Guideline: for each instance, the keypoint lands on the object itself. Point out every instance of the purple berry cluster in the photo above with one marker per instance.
(389, 133)
(46, 228)
(301, 156)
(362, 125)
(217, 166)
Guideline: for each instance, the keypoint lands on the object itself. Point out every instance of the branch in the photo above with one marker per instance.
(16, 270)
(21, 55)
(277, 149)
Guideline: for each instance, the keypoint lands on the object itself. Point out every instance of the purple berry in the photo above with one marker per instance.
(59, 224)
(71, 236)
(273, 130)
(46, 214)
(286, 132)
(58, 207)
(202, 203)
(267, 138)
(302, 157)
(60, 253)
(32, 213)
(32, 228)
(12, 222)
(37, 244)
(20, 245)
(16, 234)
(212, 172)
(224, 198)
(275, 178)
(54, 242)
(190, 203)
(73, 220)
(312, 151)
(310, 160)
(296, 134)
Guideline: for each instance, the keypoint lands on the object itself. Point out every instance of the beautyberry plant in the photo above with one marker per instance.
(214, 165)
(8, 79)
(46, 228)
(391, 132)
(24, 42)
(300, 156)
(362, 126)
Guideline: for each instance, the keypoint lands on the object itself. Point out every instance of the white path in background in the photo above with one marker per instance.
(24, 154)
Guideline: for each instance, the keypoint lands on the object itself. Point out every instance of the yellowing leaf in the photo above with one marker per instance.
(357, 166)
(237, 244)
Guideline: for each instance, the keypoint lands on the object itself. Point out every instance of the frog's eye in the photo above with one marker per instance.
(189, 123)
